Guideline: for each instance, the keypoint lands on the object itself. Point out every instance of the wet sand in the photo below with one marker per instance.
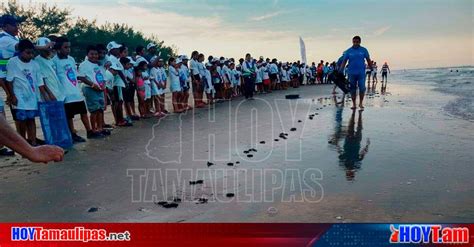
(403, 159)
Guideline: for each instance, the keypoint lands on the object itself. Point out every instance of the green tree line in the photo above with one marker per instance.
(44, 19)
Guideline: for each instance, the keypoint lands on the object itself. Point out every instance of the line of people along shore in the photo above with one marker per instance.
(110, 77)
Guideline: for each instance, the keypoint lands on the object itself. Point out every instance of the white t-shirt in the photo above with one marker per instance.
(109, 80)
(146, 77)
(265, 75)
(26, 80)
(67, 73)
(47, 72)
(116, 65)
(162, 74)
(273, 69)
(7, 45)
(208, 78)
(194, 66)
(174, 75)
(92, 72)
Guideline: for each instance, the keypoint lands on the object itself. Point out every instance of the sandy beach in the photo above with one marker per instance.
(406, 158)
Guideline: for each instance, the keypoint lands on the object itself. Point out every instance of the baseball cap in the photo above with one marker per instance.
(42, 41)
(141, 59)
(113, 45)
(115, 66)
(150, 45)
(153, 59)
(184, 57)
(178, 60)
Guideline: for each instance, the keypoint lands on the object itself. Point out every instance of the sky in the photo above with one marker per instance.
(406, 34)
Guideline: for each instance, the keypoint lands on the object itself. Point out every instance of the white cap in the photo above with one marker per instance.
(113, 45)
(184, 57)
(115, 66)
(140, 59)
(153, 59)
(178, 60)
(150, 45)
(42, 41)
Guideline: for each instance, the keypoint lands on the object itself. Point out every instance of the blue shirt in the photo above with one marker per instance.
(356, 57)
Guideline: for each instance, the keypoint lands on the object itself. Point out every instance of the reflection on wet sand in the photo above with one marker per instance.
(350, 153)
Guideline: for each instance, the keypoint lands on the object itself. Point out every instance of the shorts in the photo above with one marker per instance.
(273, 77)
(129, 94)
(117, 95)
(23, 115)
(357, 81)
(218, 87)
(197, 85)
(94, 99)
(74, 108)
(266, 82)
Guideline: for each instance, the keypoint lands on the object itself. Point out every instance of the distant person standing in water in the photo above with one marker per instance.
(384, 71)
(356, 69)
(374, 75)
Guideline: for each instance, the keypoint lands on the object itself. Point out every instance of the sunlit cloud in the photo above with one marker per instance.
(267, 16)
(380, 31)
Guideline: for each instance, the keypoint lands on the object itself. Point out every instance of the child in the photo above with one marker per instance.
(326, 72)
(162, 82)
(202, 75)
(108, 77)
(266, 78)
(273, 70)
(74, 101)
(53, 88)
(141, 89)
(259, 78)
(284, 76)
(216, 79)
(208, 84)
(184, 75)
(196, 79)
(294, 73)
(117, 69)
(90, 74)
(174, 65)
(238, 80)
(156, 87)
(228, 79)
(129, 90)
(23, 82)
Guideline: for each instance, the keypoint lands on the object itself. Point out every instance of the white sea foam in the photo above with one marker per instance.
(458, 81)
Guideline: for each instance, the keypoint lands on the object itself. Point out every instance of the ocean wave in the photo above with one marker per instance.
(455, 81)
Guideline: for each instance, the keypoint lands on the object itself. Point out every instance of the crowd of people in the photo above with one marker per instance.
(112, 76)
